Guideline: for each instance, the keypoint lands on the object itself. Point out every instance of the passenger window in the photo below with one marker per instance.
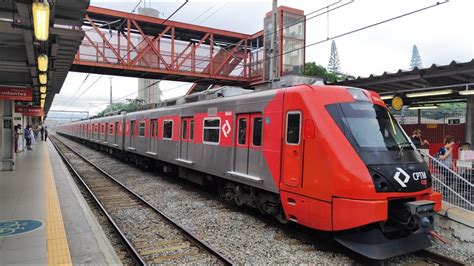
(132, 128)
(293, 123)
(184, 129)
(242, 138)
(111, 130)
(257, 132)
(141, 129)
(211, 130)
(167, 129)
(154, 128)
(191, 130)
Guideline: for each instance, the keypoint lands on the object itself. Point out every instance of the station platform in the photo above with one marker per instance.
(43, 217)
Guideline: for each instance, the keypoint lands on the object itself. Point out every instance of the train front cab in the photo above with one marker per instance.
(328, 182)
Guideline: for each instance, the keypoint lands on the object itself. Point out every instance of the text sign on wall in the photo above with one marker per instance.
(18, 94)
(454, 121)
(29, 110)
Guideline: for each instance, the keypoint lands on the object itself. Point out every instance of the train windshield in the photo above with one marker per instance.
(373, 127)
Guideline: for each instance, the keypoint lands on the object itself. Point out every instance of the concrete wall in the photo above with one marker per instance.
(457, 227)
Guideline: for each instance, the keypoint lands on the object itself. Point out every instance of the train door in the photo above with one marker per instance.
(242, 144)
(248, 153)
(293, 149)
(132, 133)
(153, 141)
(185, 136)
(116, 131)
(106, 132)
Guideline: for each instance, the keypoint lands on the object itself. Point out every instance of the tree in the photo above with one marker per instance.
(415, 58)
(334, 64)
(130, 106)
(315, 70)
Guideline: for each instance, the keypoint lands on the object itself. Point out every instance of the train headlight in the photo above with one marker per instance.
(358, 95)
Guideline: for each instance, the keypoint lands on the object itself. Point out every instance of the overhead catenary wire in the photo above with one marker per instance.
(305, 19)
(79, 88)
(82, 83)
(338, 35)
(133, 10)
(279, 29)
(360, 29)
(213, 13)
(286, 26)
(202, 14)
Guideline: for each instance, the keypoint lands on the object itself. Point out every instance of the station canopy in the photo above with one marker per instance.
(19, 49)
(421, 86)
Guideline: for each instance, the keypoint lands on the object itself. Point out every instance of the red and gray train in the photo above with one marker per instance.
(327, 157)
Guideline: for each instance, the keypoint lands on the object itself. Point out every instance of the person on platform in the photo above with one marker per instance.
(28, 134)
(445, 153)
(417, 140)
(42, 132)
(33, 136)
(17, 136)
(45, 133)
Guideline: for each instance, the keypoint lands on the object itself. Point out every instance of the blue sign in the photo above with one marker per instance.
(15, 227)
(267, 120)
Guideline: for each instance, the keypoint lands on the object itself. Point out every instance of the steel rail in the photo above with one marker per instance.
(124, 239)
(438, 258)
(191, 237)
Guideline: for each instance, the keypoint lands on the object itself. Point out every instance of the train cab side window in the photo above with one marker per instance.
(212, 128)
(167, 129)
(141, 129)
(293, 128)
(257, 131)
(242, 138)
(191, 130)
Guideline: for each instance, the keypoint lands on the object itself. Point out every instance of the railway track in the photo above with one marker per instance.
(150, 236)
(323, 242)
(435, 258)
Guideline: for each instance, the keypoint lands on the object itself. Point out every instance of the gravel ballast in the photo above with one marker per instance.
(240, 235)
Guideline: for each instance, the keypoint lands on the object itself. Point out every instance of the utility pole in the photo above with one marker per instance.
(110, 91)
(274, 45)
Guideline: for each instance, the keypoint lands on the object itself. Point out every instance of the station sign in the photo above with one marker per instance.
(17, 94)
(29, 110)
(454, 121)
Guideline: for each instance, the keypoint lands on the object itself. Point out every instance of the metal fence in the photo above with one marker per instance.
(454, 182)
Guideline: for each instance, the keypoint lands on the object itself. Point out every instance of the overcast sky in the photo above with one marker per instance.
(442, 34)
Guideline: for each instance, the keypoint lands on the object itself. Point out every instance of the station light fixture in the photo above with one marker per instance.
(387, 97)
(43, 89)
(43, 78)
(429, 93)
(42, 103)
(43, 95)
(41, 20)
(423, 107)
(467, 92)
(43, 63)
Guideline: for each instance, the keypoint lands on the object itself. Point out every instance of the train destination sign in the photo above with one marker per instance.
(29, 110)
(17, 94)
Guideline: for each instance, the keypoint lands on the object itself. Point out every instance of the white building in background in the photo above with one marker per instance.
(146, 91)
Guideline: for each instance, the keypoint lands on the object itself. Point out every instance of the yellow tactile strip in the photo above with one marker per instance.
(57, 246)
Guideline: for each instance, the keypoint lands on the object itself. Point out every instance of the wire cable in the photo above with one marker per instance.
(360, 29)
(203, 13)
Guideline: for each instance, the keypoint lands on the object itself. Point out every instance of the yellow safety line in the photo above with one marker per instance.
(57, 246)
